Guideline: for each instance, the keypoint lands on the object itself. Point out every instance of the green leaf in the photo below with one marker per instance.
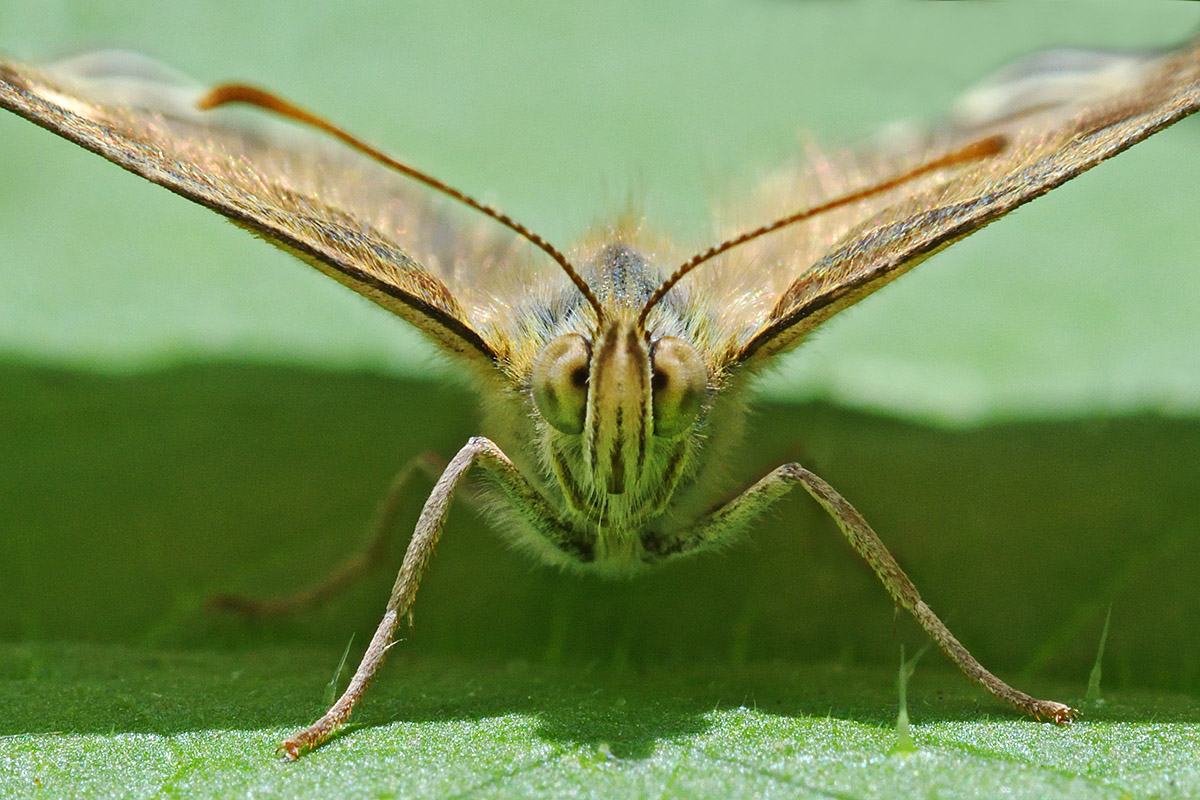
(119, 722)
(127, 500)
(106, 722)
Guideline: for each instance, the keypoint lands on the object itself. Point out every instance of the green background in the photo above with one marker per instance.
(184, 410)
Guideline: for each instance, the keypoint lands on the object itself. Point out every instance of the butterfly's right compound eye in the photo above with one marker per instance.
(560, 378)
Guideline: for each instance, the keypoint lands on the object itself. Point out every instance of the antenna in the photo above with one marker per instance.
(983, 148)
(230, 93)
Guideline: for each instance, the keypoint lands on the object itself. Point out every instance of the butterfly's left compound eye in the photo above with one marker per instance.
(560, 377)
(679, 381)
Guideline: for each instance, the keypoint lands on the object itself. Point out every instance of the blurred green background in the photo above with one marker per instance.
(561, 114)
(185, 410)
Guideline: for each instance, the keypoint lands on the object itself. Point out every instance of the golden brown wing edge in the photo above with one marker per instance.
(886, 246)
(434, 314)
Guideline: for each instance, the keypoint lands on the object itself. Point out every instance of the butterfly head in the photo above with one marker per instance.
(619, 399)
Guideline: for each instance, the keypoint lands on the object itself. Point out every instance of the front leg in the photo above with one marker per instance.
(737, 513)
(517, 491)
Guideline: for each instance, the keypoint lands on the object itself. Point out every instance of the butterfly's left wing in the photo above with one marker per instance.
(364, 226)
(1059, 113)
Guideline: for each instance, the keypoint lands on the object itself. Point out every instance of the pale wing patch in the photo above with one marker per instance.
(1051, 81)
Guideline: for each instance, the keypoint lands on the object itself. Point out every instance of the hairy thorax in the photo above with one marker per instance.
(611, 414)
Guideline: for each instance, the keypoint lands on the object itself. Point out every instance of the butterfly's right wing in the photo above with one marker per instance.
(362, 225)
(1058, 114)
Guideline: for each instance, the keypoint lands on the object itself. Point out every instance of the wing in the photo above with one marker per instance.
(339, 212)
(1060, 113)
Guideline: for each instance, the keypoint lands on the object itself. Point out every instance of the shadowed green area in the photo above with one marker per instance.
(127, 500)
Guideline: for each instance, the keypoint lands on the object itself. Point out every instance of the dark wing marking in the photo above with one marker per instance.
(310, 196)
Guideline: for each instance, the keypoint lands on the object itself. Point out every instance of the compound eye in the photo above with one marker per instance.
(679, 381)
(560, 378)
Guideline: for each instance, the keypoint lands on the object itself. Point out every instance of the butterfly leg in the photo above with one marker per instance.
(524, 500)
(734, 515)
(341, 577)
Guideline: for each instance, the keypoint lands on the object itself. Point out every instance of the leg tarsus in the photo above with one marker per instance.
(479, 452)
(733, 516)
(314, 735)
(868, 545)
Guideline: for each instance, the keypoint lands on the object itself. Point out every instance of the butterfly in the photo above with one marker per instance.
(612, 380)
